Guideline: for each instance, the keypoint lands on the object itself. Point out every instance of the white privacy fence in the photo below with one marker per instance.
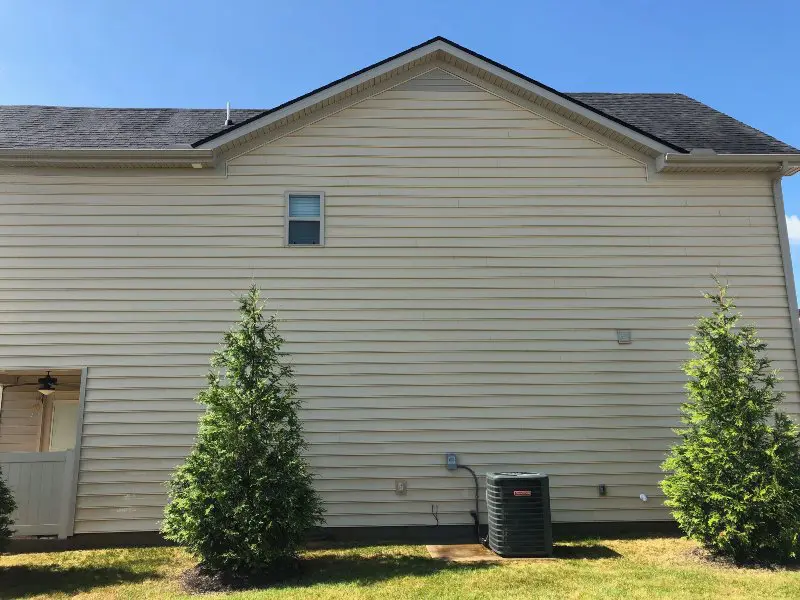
(42, 486)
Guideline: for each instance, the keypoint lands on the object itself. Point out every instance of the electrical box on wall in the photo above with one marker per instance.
(624, 336)
(451, 461)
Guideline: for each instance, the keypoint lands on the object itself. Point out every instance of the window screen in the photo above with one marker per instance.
(305, 220)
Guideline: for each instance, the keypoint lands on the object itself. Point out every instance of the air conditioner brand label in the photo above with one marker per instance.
(522, 492)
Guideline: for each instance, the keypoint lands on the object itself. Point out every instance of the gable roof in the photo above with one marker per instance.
(429, 47)
(666, 125)
(682, 126)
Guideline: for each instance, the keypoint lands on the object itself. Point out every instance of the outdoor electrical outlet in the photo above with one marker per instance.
(400, 487)
(452, 461)
(601, 489)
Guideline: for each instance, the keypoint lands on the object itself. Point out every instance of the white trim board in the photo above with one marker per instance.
(788, 271)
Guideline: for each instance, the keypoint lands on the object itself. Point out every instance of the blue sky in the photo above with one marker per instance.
(734, 55)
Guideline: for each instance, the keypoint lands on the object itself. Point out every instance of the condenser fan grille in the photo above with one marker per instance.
(519, 514)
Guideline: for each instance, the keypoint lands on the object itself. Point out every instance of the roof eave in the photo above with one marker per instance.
(779, 164)
(191, 158)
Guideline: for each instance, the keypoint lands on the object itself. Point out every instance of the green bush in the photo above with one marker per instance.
(734, 484)
(243, 501)
(7, 506)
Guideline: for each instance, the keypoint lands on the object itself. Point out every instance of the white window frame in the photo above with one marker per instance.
(287, 218)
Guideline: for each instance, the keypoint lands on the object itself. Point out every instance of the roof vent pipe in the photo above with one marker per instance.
(228, 120)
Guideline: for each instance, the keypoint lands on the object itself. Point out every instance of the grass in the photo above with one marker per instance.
(591, 569)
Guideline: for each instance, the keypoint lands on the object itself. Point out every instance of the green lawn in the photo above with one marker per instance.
(602, 569)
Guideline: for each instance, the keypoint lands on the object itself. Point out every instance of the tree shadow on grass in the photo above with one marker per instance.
(584, 551)
(359, 569)
(331, 569)
(380, 567)
(19, 581)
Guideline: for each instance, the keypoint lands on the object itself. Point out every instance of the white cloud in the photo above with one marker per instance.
(793, 225)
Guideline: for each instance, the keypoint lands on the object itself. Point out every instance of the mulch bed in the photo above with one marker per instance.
(202, 580)
(703, 555)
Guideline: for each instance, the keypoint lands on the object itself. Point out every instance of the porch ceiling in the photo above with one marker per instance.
(68, 379)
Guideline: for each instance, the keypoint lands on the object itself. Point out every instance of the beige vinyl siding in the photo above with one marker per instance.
(20, 419)
(479, 259)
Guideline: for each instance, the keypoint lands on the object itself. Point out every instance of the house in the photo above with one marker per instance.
(465, 260)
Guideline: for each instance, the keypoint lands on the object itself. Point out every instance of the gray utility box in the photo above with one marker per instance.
(519, 514)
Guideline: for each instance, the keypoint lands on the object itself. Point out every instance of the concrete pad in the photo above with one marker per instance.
(471, 553)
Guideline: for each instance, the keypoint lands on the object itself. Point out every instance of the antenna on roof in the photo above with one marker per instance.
(228, 120)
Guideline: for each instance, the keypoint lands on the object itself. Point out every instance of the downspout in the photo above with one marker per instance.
(786, 258)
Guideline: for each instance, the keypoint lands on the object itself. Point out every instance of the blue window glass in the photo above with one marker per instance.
(304, 206)
(304, 220)
(304, 232)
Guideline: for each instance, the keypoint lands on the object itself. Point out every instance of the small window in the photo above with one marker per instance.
(305, 219)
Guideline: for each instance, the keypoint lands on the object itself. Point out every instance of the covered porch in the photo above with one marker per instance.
(40, 416)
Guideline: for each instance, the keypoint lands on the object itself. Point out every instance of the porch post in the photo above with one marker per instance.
(72, 483)
(66, 520)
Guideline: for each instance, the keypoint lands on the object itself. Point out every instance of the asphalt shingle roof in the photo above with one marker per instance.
(674, 118)
(685, 122)
(125, 128)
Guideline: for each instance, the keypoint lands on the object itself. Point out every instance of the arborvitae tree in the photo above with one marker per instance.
(734, 484)
(243, 501)
(7, 506)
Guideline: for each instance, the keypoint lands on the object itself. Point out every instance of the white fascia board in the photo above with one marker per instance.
(783, 163)
(417, 54)
(103, 156)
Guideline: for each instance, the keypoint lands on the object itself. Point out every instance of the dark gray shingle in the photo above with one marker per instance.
(685, 122)
(675, 118)
(68, 127)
